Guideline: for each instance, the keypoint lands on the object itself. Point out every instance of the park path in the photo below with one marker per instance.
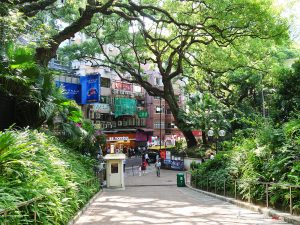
(157, 200)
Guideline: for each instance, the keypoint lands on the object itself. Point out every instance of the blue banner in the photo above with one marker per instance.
(71, 91)
(90, 90)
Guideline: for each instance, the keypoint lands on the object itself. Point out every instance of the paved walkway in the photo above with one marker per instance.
(162, 202)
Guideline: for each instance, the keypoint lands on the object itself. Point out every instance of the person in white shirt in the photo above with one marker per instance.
(147, 158)
(157, 166)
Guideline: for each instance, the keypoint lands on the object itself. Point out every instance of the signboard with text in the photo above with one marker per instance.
(143, 114)
(90, 90)
(101, 108)
(71, 90)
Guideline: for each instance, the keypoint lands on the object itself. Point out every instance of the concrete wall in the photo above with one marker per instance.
(188, 161)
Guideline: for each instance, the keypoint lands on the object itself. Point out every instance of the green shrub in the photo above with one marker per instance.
(33, 164)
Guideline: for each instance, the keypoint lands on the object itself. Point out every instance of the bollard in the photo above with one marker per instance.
(235, 189)
(267, 196)
(291, 201)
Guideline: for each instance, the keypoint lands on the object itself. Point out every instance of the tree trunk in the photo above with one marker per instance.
(180, 123)
(188, 134)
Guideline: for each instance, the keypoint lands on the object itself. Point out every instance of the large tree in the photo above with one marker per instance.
(180, 39)
(176, 38)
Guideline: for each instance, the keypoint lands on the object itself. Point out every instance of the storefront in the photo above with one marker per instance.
(120, 141)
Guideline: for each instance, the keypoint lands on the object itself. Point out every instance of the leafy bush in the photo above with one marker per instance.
(33, 164)
(271, 154)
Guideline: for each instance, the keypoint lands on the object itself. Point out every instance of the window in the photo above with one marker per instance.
(105, 82)
(114, 168)
(159, 110)
(158, 81)
(157, 125)
(105, 99)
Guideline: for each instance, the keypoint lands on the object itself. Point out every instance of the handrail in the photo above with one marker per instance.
(251, 182)
(34, 200)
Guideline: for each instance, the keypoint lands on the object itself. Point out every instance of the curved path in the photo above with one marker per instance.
(157, 200)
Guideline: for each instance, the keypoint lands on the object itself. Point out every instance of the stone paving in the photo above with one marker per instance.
(157, 200)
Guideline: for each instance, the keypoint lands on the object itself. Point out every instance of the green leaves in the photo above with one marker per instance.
(33, 164)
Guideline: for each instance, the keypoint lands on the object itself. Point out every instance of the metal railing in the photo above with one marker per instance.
(224, 187)
(4, 213)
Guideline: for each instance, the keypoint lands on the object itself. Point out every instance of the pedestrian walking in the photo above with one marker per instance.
(157, 166)
(144, 167)
(147, 158)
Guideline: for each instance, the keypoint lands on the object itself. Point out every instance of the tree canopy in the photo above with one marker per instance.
(177, 39)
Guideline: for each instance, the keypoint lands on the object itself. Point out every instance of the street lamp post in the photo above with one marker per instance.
(159, 123)
(221, 133)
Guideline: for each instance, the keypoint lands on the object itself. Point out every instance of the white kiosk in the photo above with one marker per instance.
(114, 171)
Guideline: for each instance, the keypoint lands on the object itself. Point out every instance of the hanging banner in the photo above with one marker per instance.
(90, 90)
(143, 114)
(125, 106)
(71, 91)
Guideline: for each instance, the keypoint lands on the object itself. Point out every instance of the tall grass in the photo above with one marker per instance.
(34, 164)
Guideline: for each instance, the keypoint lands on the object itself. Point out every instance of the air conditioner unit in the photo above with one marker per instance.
(104, 125)
(109, 126)
(98, 115)
(119, 123)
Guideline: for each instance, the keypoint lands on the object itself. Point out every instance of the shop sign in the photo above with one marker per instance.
(168, 155)
(101, 108)
(143, 114)
(118, 138)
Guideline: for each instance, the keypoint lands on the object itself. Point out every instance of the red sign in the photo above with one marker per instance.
(197, 133)
(162, 154)
(123, 86)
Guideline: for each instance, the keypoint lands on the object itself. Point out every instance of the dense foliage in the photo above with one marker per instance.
(33, 164)
(269, 155)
